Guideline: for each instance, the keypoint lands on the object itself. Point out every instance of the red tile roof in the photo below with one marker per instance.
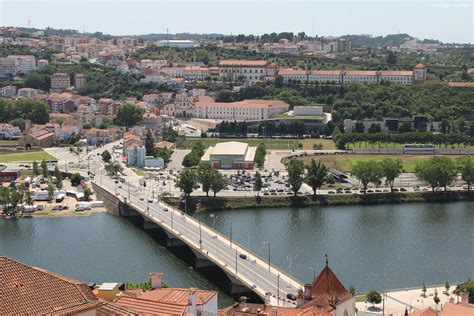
(328, 290)
(425, 312)
(177, 296)
(451, 309)
(31, 290)
(149, 307)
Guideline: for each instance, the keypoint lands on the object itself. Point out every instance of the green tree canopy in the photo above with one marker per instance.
(437, 171)
(466, 168)
(205, 175)
(128, 115)
(374, 297)
(367, 172)
(316, 175)
(295, 170)
(257, 186)
(187, 181)
(391, 169)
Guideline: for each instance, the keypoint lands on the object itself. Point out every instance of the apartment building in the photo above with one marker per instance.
(26, 63)
(246, 110)
(8, 67)
(60, 82)
(231, 70)
(8, 91)
(406, 77)
(79, 81)
(61, 102)
(27, 93)
(42, 63)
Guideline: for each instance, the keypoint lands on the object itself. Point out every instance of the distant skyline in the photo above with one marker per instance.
(445, 20)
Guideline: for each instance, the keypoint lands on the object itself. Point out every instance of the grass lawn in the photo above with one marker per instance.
(270, 143)
(25, 156)
(346, 162)
(361, 298)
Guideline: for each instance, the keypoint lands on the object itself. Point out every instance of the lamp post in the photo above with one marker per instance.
(314, 272)
(268, 243)
(230, 241)
(278, 289)
(200, 233)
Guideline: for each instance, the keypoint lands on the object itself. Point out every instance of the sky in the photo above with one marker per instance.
(445, 20)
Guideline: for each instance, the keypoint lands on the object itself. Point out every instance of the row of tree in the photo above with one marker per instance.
(343, 139)
(209, 178)
(17, 111)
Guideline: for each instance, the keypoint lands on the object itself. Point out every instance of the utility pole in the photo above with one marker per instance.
(230, 243)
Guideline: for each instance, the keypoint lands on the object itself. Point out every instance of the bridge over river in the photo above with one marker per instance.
(210, 248)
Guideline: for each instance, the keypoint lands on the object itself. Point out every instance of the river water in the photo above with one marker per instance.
(382, 247)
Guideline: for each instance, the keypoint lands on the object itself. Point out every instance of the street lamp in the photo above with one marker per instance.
(278, 289)
(268, 243)
(200, 235)
(314, 272)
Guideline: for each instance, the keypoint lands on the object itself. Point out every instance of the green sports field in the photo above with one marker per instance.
(25, 156)
(346, 162)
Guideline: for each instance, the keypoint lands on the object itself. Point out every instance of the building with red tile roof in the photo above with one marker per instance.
(28, 290)
(463, 309)
(425, 312)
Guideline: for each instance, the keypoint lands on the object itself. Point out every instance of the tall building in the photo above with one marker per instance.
(26, 63)
(80, 81)
(419, 73)
(60, 82)
(8, 67)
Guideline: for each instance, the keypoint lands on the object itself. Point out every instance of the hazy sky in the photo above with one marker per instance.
(446, 20)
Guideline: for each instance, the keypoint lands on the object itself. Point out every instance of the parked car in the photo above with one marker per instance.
(243, 256)
(57, 208)
(291, 297)
(82, 208)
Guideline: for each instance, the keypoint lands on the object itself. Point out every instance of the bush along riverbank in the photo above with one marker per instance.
(202, 203)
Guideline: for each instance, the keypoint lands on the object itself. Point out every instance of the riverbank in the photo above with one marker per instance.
(202, 203)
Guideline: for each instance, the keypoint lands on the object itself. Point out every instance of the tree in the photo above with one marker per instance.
(316, 175)
(218, 182)
(206, 175)
(374, 297)
(113, 168)
(260, 154)
(447, 287)
(437, 171)
(466, 168)
(257, 185)
(87, 193)
(423, 289)
(59, 178)
(36, 171)
(19, 122)
(295, 170)
(75, 179)
(436, 299)
(367, 172)
(44, 169)
(106, 156)
(466, 287)
(391, 58)
(150, 144)
(50, 189)
(164, 153)
(128, 115)
(391, 169)
(187, 181)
